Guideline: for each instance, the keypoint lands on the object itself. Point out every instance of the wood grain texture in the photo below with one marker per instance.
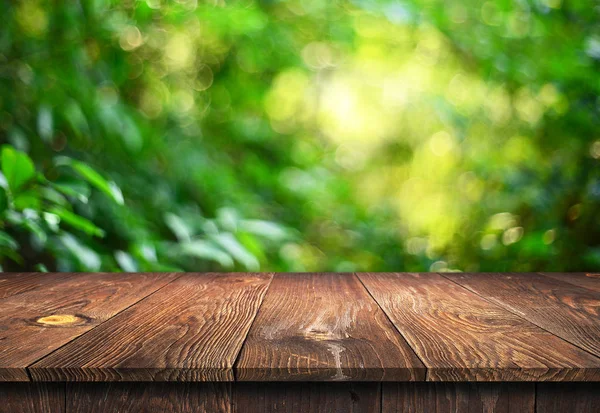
(13, 283)
(35, 323)
(324, 327)
(589, 280)
(458, 397)
(148, 398)
(191, 330)
(567, 397)
(462, 337)
(306, 397)
(564, 309)
(32, 397)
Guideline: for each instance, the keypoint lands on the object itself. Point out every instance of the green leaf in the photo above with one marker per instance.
(237, 251)
(41, 268)
(52, 220)
(88, 258)
(3, 200)
(53, 196)
(93, 178)
(263, 228)
(179, 227)
(8, 241)
(125, 261)
(206, 250)
(37, 231)
(27, 200)
(77, 221)
(44, 123)
(76, 189)
(17, 167)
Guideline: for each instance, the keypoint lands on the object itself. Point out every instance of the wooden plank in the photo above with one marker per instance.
(191, 330)
(148, 397)
(32, 397)
(13, 283)
(568, 397)
(566, 310)
(589, 280)
(458, 397)
(324, 327)
(460, 336)
(306, 397)
(35, 323)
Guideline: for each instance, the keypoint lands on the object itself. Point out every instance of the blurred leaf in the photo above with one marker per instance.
(266, 229)
(76, 118)
(17, 167)
(52, 220)
(75, 189)
(44, 123)
(94, 178)
(3, 200)
(125, 261)
(41, 268)
(178, 226)
(3, 181)
(38, 233)
(206, 250)
(228, 219)
(237, 251)
(8, 241)
(89, 259)
(53, 196)
(27, 199)
(77, 221)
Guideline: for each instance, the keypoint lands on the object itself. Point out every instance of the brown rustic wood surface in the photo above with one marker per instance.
(462, 337)
(32, 397)
(324, 327)
(191, 330)
(564, 309)
(299, 327)
(307, 397)
(458, 397)
(37, 322)
(567, 397)
(148, 397)
(13, 283)
(589, 280)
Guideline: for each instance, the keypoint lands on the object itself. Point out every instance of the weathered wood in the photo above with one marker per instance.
(306, 397)
(589, 280)
(564, 309)
(458, 397)
(568, 397)
(13, 283)
(460, 336)
(148, 397)
(191, 330)
(32, 397)
(35, 323)
(324, 327)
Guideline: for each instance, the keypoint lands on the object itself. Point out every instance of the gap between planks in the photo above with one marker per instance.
(237, 356)
(394, 325)
(500, 303)
(28, 371)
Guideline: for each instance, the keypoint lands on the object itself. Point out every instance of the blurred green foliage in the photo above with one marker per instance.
(300, 135)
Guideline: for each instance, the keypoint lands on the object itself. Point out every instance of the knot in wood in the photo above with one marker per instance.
(59, 319)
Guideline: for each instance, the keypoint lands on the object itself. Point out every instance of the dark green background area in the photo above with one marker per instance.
(311, 135)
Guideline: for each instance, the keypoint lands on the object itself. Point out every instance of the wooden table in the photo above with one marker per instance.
(258, 342)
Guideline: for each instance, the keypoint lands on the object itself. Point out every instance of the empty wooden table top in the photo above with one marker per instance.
(300, 327)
